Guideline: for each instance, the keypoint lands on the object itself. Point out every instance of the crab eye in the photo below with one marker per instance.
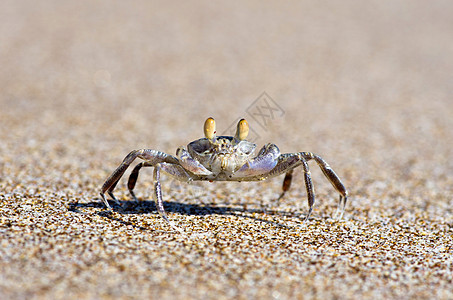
(209, 128)
(242, 130)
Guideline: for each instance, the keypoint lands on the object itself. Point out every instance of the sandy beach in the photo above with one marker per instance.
(366, 85)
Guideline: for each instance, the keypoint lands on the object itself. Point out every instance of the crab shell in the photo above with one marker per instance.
(225, 154)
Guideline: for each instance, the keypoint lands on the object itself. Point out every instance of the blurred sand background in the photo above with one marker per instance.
(367, 85)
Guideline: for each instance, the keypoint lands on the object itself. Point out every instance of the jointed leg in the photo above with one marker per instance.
(309, 187)
(287, 162)
(151, 156)
(157, 195)
(133, 177)
(111, 182)
(110, 192)
(286, 183)
(334, 180)
(175, 171)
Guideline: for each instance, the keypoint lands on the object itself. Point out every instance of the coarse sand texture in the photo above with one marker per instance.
(365, 85)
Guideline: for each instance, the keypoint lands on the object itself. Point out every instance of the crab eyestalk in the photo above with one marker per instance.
(209, 129)
(242, 130)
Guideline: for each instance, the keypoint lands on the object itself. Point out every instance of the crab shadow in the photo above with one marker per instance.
(148, 206)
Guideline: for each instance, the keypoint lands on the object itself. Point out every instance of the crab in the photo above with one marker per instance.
(223, 158)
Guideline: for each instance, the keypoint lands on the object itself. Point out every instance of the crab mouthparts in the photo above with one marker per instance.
(226, 163)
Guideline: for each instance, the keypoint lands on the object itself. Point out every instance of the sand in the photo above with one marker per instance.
(365, 85)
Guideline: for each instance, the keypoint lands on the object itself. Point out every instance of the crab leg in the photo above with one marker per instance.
(293, 160)
(309, 187)
(173, 170)
(157, 195)
(286, 183)
(334, 180)
(152, 157)
(290, 162)
(133, 177)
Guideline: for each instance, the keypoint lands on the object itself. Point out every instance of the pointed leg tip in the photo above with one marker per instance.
(338, 215)
(106, 203)
(133, 196)
(307, 217)
(171, 224)
(117, 202)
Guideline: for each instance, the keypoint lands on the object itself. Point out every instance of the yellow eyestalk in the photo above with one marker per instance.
(242, 130)
(209, 129)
